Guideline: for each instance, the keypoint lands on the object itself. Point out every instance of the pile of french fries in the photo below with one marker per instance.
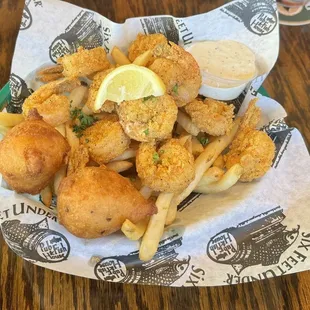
(209, 174)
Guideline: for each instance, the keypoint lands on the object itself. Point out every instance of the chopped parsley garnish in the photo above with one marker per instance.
(85, 121)
(156, 158)
(86, 140)
(146, 132)
(203, 140)
(148, 98)
(161, 151)
(175, 88)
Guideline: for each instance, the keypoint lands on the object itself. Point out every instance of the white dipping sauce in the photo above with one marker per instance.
(226, 67)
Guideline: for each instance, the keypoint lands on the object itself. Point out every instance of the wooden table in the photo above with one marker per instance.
(26, 286)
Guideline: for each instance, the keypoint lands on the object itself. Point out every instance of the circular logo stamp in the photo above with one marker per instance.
(222, 247)
(111, 269)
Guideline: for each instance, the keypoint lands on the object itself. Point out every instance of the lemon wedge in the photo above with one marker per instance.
(129, 82)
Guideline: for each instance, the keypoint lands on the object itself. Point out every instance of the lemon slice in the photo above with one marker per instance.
(129, 82)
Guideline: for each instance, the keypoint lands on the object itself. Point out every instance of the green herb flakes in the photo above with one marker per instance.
(175, 88)
(203, 140)
(146, 132)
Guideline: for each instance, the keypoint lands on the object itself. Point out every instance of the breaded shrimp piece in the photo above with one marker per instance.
(168, 169)
(144, 43)
(148, 118)
(253, 149)
(108, 106)
(53, 107)
(182, 69)
(211, 116)
(105, 140)
(84, 62)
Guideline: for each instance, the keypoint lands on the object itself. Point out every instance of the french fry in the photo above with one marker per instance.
(185, 121)
(119, 166)
(10, 119)
(183, 140)
(229, 179)
(155, 228)
(197, 148)
(4, 130)
(219, 162)
(146, 192)
(130, 153)
(46, 196)
(61, 129)
(86, 110)
(134, 231)
(212, 175)
(77, 97)
(203, 162)
(143, 59)
(59, 176)
(119, 57)
(73, 140)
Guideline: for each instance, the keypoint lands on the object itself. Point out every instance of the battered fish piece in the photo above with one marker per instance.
(211, 116)
(108, 106)
(50, 104)
(148, 118)
(94, 202)
(179, 71)
(254, 150)
(32, 152)
(84, 62)
(168, 169)
(105, 140)
(144, 43)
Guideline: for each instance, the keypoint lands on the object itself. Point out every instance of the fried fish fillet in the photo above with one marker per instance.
(31, 153)
(94, 202)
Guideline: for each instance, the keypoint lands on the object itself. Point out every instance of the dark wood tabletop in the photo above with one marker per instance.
(26, 286)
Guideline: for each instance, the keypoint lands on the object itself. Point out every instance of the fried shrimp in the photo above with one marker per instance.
(254, 150)
(168, 169)
(105, 140)
(211, 116)
(144, 43)
(50, 104)
(148, 118)
(179, 71)
(108, 106)
(84, 62)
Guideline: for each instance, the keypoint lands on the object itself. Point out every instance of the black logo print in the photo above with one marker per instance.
(83, 31)
(36, 241)
(164, 269)
(164, 25)
(259, 240)
(26, 21)
(19, 92)
(258, 16)
(281, 135)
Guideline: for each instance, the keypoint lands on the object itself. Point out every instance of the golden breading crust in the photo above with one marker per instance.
(31, 153)
(255, 152)
(84, 62)
(168, 169)
(108, 106)
(105, 140)
(211, 116)
(148, 119)
(94, 202)
(144, 43)
(253, 149)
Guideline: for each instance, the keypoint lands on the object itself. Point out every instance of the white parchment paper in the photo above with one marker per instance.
(252, 231)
